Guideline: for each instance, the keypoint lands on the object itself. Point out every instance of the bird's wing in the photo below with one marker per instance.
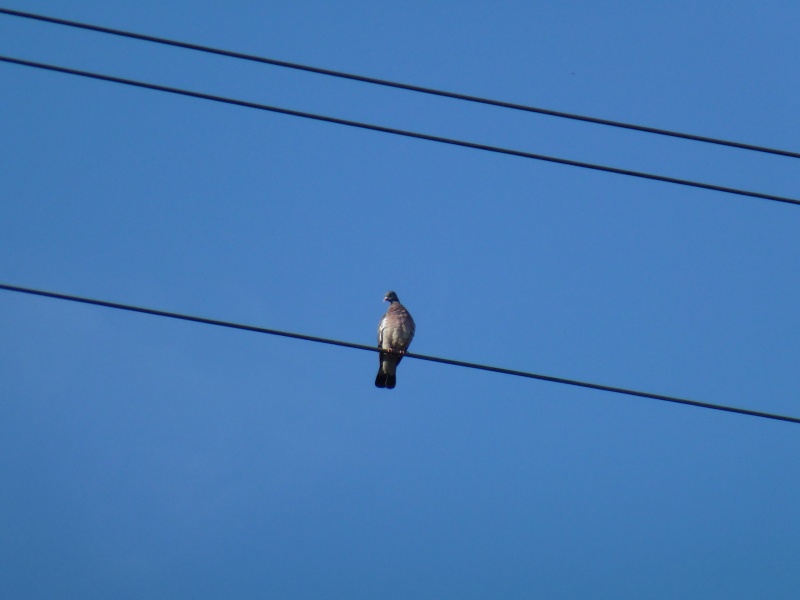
(381, 327)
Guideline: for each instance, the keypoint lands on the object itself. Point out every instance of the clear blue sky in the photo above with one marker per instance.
(149, 458)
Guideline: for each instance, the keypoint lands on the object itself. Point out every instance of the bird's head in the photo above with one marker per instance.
(390, 297)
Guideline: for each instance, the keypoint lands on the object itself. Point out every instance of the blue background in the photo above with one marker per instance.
(144, 457)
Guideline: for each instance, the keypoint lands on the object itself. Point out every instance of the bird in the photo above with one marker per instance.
(395, 332)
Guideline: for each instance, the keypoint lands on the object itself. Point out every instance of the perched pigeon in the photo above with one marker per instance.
(395, 332)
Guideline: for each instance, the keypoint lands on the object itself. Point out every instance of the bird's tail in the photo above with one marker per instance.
(382, 380)
(386, 371)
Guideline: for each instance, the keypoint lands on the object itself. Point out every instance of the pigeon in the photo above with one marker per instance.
(395, 332)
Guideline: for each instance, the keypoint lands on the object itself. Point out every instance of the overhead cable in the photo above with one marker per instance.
(401, 132)
(398, 85)
(446, 361)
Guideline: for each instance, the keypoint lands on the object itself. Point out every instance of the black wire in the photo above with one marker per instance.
(402, 132)
(395, 84)
(446, 361)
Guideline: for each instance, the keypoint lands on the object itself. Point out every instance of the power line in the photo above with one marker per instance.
(401, 132)
(398, 85)
(446, 361)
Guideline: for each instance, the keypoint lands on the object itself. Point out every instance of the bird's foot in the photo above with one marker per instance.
(392, 351)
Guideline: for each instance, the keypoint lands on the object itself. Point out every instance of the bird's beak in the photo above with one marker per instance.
(386, 299)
